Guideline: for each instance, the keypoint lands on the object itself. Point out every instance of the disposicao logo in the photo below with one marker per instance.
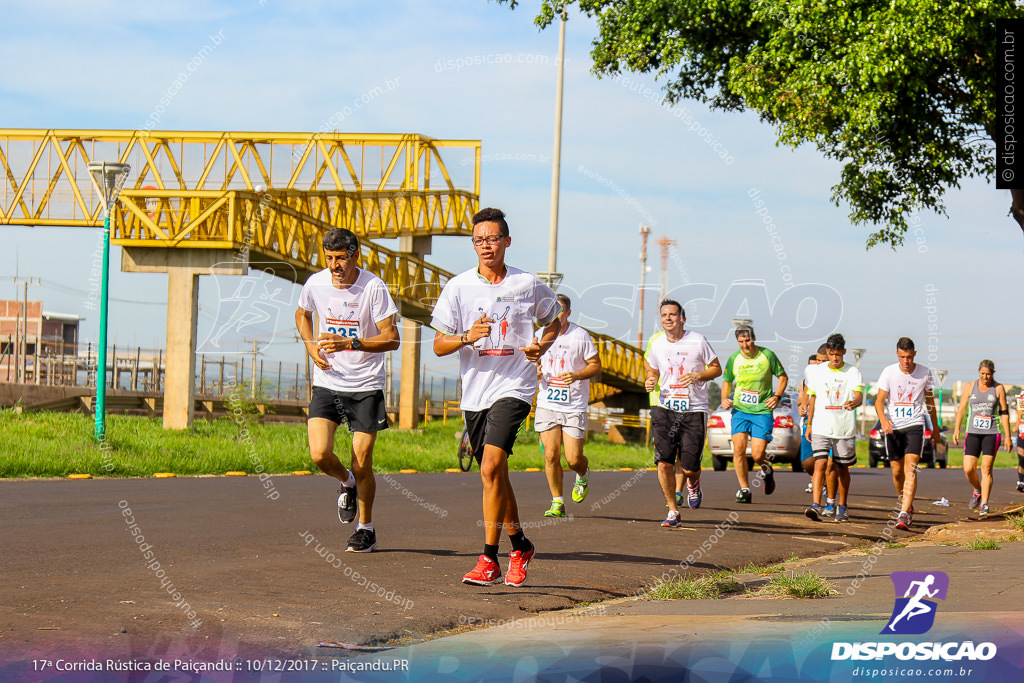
(914, 614)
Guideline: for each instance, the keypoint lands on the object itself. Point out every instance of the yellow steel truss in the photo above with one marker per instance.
(379, 186)
(272, 194)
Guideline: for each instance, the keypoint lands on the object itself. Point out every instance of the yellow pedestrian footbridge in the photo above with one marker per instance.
(200, 203)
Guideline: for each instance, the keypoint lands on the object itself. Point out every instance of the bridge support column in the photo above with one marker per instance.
(412, 332)
(182, 312)
(409, 400)
(183, 268)
(632, 402)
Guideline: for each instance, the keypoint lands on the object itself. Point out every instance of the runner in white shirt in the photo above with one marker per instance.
(564, 373)
(806, 452)
(834, 391)
(684, 363)
(487, 315)
(355, 328)
(904, 390)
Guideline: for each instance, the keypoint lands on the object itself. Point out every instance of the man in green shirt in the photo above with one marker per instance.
(747, 389)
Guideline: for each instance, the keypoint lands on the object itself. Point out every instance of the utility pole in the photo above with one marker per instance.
(665, 244)
(21, 363)
(644, 231)
(252, 372)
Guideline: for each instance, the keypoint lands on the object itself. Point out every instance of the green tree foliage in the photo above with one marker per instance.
(902, 92)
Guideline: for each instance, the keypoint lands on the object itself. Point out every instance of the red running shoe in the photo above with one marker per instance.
(518, 561)
(903, 521)
(485, 573)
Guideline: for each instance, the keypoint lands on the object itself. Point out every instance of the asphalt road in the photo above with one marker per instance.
(76, 578)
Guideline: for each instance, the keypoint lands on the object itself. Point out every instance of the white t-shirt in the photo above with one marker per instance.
(350, 312)
(831, 389)
(569, 353)
(494, 367)
(691, 353)
(809, 371)
(905, 402)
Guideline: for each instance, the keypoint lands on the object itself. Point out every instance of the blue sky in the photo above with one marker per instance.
(475, 70)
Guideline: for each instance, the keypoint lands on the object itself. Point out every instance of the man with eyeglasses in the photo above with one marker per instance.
(499, 376)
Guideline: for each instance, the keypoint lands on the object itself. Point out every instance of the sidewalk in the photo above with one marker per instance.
(770, 639)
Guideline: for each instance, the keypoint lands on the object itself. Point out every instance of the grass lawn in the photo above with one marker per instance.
(59, 444)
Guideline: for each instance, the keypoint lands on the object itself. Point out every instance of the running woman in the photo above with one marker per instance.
(984, 401)
(565, 373)
(681, 362)
(356, 328)
(1020, 442)
(751, 369)
(499, 376)
(835, 391)
(904, 392)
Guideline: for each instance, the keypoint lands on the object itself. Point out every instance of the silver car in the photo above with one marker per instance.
(784, 446)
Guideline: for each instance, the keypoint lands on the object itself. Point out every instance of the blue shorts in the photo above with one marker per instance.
(758, 426)
(806, 451)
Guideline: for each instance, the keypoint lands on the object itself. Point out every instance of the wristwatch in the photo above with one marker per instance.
(357, 345)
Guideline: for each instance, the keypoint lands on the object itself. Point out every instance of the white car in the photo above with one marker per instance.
(785, 443)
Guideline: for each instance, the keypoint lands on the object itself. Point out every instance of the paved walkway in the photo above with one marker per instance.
(762, 638)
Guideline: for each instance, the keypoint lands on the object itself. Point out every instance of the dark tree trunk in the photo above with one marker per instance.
(1017, 207)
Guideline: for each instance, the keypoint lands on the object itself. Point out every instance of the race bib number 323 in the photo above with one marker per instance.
(982, 422)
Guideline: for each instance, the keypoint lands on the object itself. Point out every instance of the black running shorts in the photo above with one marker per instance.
(678, 435)
(981, 444)
(496, 426)
(909, 440)
(364, 411)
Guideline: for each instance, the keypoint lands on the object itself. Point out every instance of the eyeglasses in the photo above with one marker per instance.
(490, 239)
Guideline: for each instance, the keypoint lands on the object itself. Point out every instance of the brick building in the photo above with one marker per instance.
(46, 335)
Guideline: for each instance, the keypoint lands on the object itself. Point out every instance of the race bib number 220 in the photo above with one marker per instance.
(749, 397)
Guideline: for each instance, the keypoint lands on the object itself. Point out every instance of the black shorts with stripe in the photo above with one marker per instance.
(496, 426)
(364, 411)
(909, 440)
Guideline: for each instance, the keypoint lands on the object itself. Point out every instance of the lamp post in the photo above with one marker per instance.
(109, 178)
(941, 376)
(552, 277)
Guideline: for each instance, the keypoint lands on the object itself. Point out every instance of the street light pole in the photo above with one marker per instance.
(552, 277)
(109, 178)
(941, 376)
